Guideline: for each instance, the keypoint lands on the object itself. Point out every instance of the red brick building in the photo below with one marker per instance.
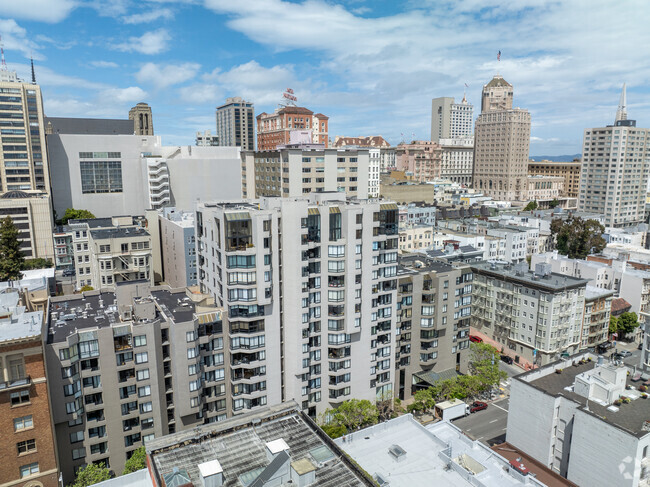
(27, 455)
(274, 129)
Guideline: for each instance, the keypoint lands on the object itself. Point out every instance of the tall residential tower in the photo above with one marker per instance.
(450, 120)
(235, 124)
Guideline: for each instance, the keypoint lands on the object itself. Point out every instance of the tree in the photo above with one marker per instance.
(334, 430)
(355, 414)
(555, 202)
(11, 258)
(531, 206)
(86, 288)
(577, 238)
(388, 406)
(91, 474)
(613, 324)
(484, 364)
(72, 214)
(423, 401)
(38, 263)
(627, 322)
(138, 461)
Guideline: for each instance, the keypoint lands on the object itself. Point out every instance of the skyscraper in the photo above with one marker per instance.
(235, 124)
(501, 144)
(450, 120)
(614, 174)
(23, 159)
(142, 119)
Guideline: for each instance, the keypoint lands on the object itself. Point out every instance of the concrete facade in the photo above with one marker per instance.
(457, 159)
(450, 120)
(414, 237)
(235, 124)
(178, 247)
(422, 159)
(31, 213)
(142, 119)
(570, 171)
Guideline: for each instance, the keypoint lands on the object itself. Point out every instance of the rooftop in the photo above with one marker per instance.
(416, 263)
(630, 418)
(593, 292)
(552, 282)
(541, 472)
(89, 126)
(620, 305)
(406, 454)
(240, 445)
(118, 232)
(15, 322)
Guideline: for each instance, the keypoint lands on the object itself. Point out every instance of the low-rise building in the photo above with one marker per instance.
(569, 171)
(274, 129)
(206, 139)
(415, 237)
(457, 159)
(534, 315)
(595, 325)
(420, 158)
(542, 188)
(571, 416)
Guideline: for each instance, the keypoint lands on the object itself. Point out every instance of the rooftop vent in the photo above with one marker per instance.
(397, 452)
(381, 480)
(274, 447)
(211, 473)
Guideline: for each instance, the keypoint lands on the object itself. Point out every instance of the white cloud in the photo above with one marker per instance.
(149, 16)
(50, 11)
(104, 64)
(201, 93)
(153, 42)
(162, 76)
(124, 95)
(15, 38)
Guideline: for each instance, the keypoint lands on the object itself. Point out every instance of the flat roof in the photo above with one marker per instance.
(16, 323)
(118, 232)
(553, 282)
(419, 458)
(593, 292)
(90, 126)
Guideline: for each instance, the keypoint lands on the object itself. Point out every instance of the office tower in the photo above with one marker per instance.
(274, 129)
(108, 251)
(457, 159)
(235, 125)
(130, 365)
(28, 455)
(501, 143)
(450, 120)
(296, 171)
(142, 119)
(615, 169)
(570, 171)
(23, 159)
(536, 315)
(433, 316)
(310, 287)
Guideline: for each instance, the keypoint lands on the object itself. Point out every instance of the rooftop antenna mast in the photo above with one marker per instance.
(3, 63)
(31, 57)
(289, 99)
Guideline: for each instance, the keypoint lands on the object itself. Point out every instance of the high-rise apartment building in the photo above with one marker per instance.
(533, 315)
(27, 446)
(450, 120)
(274, 129)
(615, 170)
(130, 365)
(433, 317)
(23, 158)
(142, 119)
(235, 124)
(310, 288)
(296, 171)
(177, 247)
(501, 144)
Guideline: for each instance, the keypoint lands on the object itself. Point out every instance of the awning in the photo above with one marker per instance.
(209, 317)
(335, 209)
(240, 215)
(313, 211)
(431, 377)
(389, 206)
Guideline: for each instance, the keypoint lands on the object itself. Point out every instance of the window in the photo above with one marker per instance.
(144, 391)
(101, 176)
(141, 358)
(18, 398)
(24, 422)
(142, 374)
(78, 453)
(27, 470)
(26, 446)
(76, 436)
(191, 352)
(146, 407)
(140, 340)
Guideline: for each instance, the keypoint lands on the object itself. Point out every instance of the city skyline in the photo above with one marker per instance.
(186, 58)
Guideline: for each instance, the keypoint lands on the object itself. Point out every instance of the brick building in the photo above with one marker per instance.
(274, 129)
(422, 158)
(27, 446)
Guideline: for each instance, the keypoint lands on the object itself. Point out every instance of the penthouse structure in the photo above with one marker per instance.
(131, 365)
(316, 279)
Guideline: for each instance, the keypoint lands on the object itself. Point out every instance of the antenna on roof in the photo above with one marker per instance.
(288, 98)
(31, 58)
(3, 63)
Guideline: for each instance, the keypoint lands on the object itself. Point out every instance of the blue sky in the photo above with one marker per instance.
(371, 66)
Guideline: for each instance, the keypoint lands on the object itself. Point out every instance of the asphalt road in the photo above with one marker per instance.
(487, 426)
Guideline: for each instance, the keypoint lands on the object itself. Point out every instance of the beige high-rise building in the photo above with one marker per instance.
(501, 144)
(235, 124)
(570, 171)
(142, 119)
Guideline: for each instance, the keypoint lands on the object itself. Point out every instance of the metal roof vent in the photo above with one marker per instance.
(397, 452)
(381, 480)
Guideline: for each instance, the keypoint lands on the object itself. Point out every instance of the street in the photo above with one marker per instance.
(487, 426)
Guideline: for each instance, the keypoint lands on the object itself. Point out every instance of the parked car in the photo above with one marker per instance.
(507, 359)
(477, 406)
(475, 339)
(625, 353)
(68, 272)
(603, 347)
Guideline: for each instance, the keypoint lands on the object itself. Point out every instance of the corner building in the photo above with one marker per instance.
(318, 277)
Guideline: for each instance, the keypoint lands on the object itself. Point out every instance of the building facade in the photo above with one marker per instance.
(457, 159)
(294, 172)
(274, 129)
(31, 213)
(541, 188)
(326, 283)
(23, 159)
(142, 119)
(371, 142)
(570, 171)
(131, 365)
(235, 124)
(206, 139)
(501, 144)
(595, 326)
(421, 158)
(415, 237)
(27, 447)
(178, 247)
(533, 315)
(450, 120)
(615, 170)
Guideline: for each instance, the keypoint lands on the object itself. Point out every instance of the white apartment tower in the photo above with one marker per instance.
(309, 285)
(614, 175)
(501, 144)
(450, 120)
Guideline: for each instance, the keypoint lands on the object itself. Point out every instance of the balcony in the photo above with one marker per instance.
(16, 384)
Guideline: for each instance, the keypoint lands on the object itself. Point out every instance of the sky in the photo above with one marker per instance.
(371, 66)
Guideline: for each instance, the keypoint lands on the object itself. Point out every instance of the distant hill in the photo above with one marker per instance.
(556, 158)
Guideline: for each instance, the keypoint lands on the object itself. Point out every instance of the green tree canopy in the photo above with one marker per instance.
(613, 324)
(138, 461)
(577, 238)
(11, 257)
(355, 414)
(38, 263)
(334, 430)
(555, 202)
(72, 214)
(627, 322)
(91, 474)
(484, 364)
(532, 205)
